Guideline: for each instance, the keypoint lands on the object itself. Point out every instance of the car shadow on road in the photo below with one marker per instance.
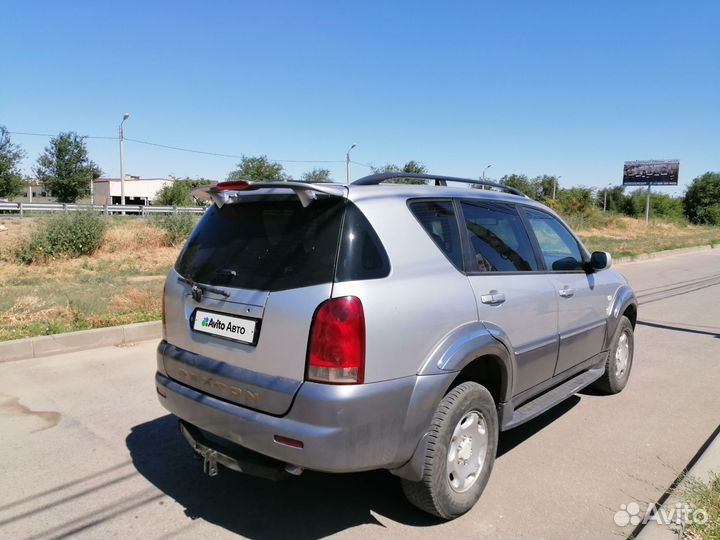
(311, 506)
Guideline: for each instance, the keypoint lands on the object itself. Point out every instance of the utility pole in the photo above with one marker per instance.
(555, 185)
(122, 160)
(347, 164)
(605, 189)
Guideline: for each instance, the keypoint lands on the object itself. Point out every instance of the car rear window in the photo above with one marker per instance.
(267, 243)
(272, 243)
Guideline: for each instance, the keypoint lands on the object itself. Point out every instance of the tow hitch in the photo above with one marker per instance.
(235, 457)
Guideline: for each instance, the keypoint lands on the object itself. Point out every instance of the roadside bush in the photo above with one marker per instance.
(576, 200)
(179, 193)
(702, 199)
(177, 227)
(65, 236)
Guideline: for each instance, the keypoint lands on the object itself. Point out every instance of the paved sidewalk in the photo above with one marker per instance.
(702, 466)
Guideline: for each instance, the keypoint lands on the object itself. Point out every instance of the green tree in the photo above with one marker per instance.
(317, 176)
(616, 199)
(258, 169)
(666, 206)
(412, 167)
(702, 199)
(179, 193)
(11, 182)
(519, 182)
(543, 186)
(65, 169)
(575, 200)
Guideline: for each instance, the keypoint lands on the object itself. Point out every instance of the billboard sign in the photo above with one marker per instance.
(656, 172)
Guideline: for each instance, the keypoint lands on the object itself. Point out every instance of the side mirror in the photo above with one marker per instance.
(600, 260)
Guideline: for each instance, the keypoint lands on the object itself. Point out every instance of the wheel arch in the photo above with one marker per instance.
(624, 303)
(476, 353)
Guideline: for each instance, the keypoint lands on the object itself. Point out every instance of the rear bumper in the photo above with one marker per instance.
(343, 428)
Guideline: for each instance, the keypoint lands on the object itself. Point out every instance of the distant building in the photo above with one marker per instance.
(137, 190)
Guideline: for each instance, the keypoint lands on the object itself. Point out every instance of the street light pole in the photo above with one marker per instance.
(347, 164)
(122, 160)
(485, 169)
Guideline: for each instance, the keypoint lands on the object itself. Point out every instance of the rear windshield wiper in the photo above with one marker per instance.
(204, 288)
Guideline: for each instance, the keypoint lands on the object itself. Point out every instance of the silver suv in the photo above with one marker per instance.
(345, 328)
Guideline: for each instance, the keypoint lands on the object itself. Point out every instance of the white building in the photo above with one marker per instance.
(137, 190)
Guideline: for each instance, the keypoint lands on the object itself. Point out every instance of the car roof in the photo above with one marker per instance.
(410, 191)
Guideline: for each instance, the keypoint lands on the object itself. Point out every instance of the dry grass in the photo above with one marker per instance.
(624, 236)
(122, 282)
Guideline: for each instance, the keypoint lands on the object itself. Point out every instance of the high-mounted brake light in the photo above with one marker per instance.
(232, 185)
(337, 342)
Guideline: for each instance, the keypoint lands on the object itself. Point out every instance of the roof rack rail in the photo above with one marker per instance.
(375, 179)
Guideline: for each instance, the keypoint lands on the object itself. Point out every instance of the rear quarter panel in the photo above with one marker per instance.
(422, 300)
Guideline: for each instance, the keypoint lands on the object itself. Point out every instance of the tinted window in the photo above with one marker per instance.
(362, 256)
(498, 238)
(559, 248)
(438, 220)
(268, 244)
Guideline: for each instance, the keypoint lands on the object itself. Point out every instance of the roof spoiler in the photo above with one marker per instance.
(375, 179)
(225, 192)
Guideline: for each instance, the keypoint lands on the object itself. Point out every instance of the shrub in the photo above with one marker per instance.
(702, 199)
(179, 193)
(177, 227)
(67, 235)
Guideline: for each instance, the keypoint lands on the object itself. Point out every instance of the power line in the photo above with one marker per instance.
(51, 135)
(193, 151)
(362, 164)
(234, 156)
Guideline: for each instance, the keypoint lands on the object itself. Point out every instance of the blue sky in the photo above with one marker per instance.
(565, 88)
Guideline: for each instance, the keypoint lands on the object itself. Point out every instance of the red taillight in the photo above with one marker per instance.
(232, 185)
(337, 342)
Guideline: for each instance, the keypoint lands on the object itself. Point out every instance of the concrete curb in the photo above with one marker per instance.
(661, 254)
(36, 347)
(705, 464)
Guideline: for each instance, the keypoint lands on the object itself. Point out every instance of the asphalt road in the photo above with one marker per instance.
(86, 451)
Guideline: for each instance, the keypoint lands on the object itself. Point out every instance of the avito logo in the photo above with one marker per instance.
(213, 323)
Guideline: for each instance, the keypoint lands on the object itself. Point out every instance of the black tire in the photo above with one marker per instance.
(434, 493)
(613, 382)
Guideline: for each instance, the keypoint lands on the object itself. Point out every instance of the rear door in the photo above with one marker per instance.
(582, 304)
(263, 266)
(509, 289)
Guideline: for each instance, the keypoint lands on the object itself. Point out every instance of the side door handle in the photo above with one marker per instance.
(566, 292)
(493, 298)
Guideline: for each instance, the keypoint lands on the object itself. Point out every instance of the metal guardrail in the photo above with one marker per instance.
(107, 209)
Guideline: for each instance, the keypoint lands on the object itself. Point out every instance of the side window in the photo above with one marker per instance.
(559, 248)
(498, 238)
(438, 220)
(362, 255)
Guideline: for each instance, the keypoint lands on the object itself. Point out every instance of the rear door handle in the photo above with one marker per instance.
(493, 298)
(566, 292)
